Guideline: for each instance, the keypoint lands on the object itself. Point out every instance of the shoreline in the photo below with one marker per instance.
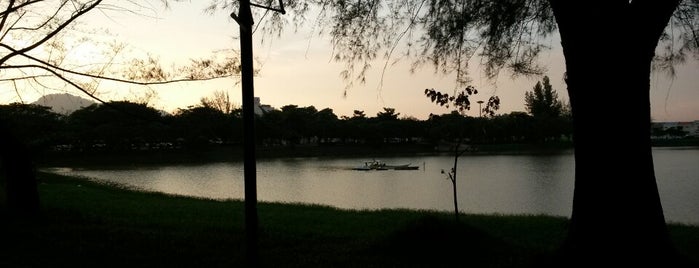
(234, 153)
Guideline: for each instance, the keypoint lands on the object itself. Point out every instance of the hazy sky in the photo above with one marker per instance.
(296, 68)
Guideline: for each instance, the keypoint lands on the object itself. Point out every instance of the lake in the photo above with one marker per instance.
(497, 183)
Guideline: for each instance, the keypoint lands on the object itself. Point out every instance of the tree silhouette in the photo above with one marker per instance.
(547, 110)
(219, 100)
(543, 101)
(119, 125)
(325, 125)
(26, 129)
(36, 126)
(617, 216)
(203, 125)
(358, 114)
(459, 102)
(387, 114)
(355, 128)
(35, 41)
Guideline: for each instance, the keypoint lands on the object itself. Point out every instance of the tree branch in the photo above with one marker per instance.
(56, 74)
(4, 18)
(43, 24)
(83, 90)
(52, 33)
(11, 26)
(411, 24)
(11, 9)
(49, 65)
(23, 78)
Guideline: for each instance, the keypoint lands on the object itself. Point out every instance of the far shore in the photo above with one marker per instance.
(232, 153)
(228, 153)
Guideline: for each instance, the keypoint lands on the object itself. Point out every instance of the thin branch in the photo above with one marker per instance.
(4, 18)
(398, 39)
(11, 26)
(48, 65)
(15, 8)
(14, 84)
(52, 33)
(43, 87)
(56, 74)
(112, 78)
(111, 7)
(24, 78)
(91, 95)
(43, 24)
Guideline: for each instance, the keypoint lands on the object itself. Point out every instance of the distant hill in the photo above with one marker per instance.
(63, 103)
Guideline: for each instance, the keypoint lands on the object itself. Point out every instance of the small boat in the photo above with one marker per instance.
(372, 165)
(378, 165)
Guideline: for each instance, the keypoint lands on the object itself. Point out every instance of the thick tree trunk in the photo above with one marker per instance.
(453, 180)
(617, 215)
(21, 196)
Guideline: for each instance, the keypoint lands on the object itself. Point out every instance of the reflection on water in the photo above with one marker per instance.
(506, 184)
(677, 174)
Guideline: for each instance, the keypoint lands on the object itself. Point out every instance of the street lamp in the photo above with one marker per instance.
(480, 110)
(245, 21)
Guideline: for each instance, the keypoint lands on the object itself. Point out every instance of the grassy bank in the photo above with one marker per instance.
(86, 224)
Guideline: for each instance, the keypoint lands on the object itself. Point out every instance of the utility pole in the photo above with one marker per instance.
(245, 22)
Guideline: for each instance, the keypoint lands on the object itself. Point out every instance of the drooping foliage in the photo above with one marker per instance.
(449, 34)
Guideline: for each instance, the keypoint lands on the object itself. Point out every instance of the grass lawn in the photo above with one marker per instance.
(86, 224)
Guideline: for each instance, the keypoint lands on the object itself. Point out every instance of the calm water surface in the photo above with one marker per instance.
(504, 184)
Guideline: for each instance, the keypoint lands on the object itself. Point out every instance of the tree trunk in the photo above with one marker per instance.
(617, 216)
(18, 175)
(453, 180)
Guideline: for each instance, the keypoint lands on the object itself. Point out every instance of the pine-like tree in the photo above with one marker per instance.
(542, 101)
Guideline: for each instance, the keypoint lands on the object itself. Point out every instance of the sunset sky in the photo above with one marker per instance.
(296, 68)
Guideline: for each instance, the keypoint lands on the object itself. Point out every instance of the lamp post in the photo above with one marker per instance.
(480, 110)
(245, 21)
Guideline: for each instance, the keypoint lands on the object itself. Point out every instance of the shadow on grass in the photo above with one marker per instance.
(427, 241)
(68, 239)
(437, 242)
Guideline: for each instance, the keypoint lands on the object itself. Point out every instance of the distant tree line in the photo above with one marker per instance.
(676, 132)
(128, 126)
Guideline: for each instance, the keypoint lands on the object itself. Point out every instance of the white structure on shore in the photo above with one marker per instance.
(260, 108)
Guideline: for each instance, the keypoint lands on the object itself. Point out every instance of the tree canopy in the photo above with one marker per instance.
(44, 44)
(449, 35)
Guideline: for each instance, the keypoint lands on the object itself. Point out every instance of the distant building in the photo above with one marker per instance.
(673, 130)
(260, 108)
